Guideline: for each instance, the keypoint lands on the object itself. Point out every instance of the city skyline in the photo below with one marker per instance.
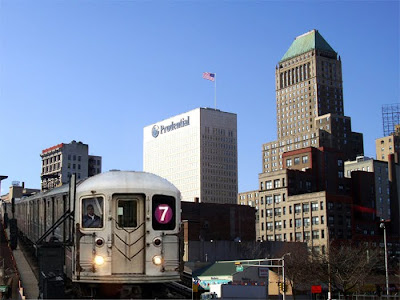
(100, 72)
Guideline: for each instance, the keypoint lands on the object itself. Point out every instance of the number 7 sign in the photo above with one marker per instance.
(163, 214)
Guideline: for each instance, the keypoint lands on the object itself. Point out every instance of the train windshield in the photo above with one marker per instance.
(127, 213)
(92, 212)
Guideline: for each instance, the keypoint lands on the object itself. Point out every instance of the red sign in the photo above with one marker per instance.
(316, 289)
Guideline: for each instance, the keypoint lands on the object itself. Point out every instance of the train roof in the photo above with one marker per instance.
(126, 180)
(115, 179)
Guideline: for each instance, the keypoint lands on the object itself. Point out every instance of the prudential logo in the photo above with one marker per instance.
(155, 131)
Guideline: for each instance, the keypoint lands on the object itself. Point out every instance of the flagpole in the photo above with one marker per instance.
(215, 91)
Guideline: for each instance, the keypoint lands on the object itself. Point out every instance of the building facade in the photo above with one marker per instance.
(197, 152)
(388, 145)
(62, 160)
(309, 103)
(380, 183)
(303, 194)
(18, 190)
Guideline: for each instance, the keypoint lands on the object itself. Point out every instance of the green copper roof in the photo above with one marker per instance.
(306, 42)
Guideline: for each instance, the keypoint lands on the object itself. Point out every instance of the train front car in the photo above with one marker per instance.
(127, 233)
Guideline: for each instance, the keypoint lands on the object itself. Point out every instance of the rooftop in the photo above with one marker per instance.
(306, 42)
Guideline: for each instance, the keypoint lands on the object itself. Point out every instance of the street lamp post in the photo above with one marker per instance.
(383, 225)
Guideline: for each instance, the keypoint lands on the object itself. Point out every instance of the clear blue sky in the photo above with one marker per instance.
(100, 71)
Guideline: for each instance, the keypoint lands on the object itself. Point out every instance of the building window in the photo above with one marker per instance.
(296, 160)
(305, 159)
(306, 207)
(268, 199)
(306, 235)
(315, 220)
(297, 208)
(288, 162)
(306, 222)
(298, 236)
(277, 198)
(268, 185)
(278, 224)
(297, 222)
(277, 211)
(314, 206)
(277, 183)
(315, 234)
(269, 212)
(270, 226)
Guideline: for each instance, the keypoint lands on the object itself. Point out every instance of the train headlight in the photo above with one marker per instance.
(99, 260)
(157, 241)
(157, 260)
(99, 242)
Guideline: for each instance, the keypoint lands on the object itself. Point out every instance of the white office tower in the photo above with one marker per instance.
(197, 152)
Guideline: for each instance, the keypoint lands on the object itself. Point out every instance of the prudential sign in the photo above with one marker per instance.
(161, 129)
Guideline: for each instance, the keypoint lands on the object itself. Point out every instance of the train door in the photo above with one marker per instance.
(128, 234)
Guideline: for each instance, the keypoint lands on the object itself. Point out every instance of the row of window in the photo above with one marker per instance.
(74, 157)
(297, 222)
(51, 168)
(269, 184)
(296, 160)
(298, 236)
(295, 75)
(298, 208)
(51, 159)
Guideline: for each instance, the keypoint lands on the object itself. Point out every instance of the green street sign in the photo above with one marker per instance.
(239, 268)
(3, 288)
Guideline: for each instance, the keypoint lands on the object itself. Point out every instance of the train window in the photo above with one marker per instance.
(127, 213)
(92, 212)
(164, 212)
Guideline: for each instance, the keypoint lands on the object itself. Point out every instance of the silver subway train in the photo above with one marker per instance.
(121, 229)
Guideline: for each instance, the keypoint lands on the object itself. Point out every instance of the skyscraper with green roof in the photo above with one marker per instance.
(309, 102)
(303, 195)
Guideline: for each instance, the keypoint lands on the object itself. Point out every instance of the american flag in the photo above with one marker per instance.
(209, 76)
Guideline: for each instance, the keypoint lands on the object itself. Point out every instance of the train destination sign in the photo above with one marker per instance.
(161, 129)
(163, 214)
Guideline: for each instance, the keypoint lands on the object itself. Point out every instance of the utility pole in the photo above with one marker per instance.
(283, 276)
(383, 225)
